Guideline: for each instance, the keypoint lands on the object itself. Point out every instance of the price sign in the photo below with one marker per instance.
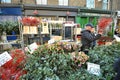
(4, 57)
(93, 68)
(32, 47)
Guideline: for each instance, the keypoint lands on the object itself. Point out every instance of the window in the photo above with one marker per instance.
(105, 4)
(63, 2)
(43, 2)
(5, 1)
(90, 3)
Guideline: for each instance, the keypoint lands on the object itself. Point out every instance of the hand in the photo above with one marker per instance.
(100, 32)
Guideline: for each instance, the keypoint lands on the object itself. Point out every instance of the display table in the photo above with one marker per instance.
(8, 45)
(4, 46)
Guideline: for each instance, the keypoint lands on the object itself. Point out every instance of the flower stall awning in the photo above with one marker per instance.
(10, 11)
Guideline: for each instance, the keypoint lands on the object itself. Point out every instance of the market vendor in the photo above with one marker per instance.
(87, 37)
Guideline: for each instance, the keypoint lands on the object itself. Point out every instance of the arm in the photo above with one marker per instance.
(91, 37)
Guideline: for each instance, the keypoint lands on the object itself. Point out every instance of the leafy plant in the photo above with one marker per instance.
(9, 27)
(105, 56)
(52, 63)
(49, 63)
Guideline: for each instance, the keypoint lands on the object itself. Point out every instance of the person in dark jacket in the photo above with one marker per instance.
(117, 69)
(87, 37)
(93, 44)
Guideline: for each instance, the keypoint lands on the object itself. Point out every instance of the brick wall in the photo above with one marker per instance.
(16, 1)
(29, 1)
(81, 3)
(98, 4)
(52, 2)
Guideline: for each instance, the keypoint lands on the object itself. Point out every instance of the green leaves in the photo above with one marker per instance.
(9, 27)
(53, 64)
(48, 64)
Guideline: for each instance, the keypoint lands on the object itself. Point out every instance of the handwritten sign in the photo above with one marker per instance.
(93, 68)
(32, 47)
(4, 57)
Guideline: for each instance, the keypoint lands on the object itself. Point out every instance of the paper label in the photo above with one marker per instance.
(4, 57)
(93, 68)
(32, 47)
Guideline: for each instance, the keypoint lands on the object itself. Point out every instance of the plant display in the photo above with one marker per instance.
(8, 27)
(105, 56)
(50, 62)
(12, 70)
(79, 57)
(30, 21)
(103, 23)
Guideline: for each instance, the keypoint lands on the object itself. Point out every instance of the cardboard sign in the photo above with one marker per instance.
(32, 47)
(93, 68)
(25, 29)
(4, 57)
(33, 30)
(30, 30)
(77, 30)
(45, 29)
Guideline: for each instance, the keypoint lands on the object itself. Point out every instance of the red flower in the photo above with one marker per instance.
(30, 21)
(104, 22)
(12, 70)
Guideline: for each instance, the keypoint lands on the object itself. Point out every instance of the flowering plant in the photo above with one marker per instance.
(30, 21)
(103, 23)
(79, 58)
(12, 70)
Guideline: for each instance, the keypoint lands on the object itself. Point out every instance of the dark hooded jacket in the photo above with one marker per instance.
(87, 38)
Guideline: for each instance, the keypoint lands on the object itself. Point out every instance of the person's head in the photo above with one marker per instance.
(93, 30)
(89, 27)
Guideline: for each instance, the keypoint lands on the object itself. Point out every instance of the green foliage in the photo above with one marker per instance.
(110, 34)
(105, 56)
(48, 64)
(9, 27)
(53, 64)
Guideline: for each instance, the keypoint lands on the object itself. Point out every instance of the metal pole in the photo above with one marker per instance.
(21, 34)
(40, 35)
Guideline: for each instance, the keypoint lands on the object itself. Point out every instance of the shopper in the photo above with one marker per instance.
(93, 44)
(117, 69)
(87, 37)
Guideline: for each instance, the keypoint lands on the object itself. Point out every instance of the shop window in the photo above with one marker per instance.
(5, 1)
(63, 2)
(90, 3)
(105, 4)
(43, 2)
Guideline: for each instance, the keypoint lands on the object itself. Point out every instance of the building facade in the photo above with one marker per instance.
(72, 10)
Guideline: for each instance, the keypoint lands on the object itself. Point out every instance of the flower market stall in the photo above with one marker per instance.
(28, 25)
(59, 60)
